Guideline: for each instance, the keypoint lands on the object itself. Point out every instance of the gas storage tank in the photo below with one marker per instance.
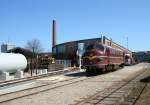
(10, 62)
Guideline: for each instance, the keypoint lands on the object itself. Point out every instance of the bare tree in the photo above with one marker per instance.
(35, 47)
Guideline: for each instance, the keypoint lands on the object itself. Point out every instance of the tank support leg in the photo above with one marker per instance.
(39, 72)
(5, 76)
(19, 74)
(44, 71)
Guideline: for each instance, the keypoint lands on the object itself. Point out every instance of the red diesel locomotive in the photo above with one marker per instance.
(98, 57)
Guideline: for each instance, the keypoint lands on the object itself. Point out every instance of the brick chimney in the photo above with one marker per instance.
(54, 33)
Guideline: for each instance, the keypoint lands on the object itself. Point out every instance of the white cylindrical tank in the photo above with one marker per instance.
(10, 62)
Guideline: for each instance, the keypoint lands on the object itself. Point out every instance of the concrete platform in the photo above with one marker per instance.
(16, 87)
(31, 84)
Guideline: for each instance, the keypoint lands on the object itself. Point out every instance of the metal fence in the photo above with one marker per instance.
(66, 63)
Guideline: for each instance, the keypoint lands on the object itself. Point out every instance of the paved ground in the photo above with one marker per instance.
(87, 86)
(139, 91)
(145, 97)
(132, 91)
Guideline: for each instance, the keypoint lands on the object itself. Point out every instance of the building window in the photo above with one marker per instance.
(61, 49)
(54, 50)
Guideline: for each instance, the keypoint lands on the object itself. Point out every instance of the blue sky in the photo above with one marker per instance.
(23, 20)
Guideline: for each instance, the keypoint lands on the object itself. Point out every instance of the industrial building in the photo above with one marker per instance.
(6, 47)
(142, 56)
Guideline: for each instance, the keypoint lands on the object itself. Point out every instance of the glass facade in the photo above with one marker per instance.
(61, 49)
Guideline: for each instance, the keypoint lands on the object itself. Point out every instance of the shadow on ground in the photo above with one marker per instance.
(145, 80)
(76, 74)
(81, 74)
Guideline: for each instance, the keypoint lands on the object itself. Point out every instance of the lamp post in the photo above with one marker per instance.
(37, 64)
(80, 52)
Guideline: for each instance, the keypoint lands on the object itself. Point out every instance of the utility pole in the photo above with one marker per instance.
(127, 42)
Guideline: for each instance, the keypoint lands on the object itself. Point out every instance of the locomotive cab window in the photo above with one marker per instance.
(90, 47)
(99, 47)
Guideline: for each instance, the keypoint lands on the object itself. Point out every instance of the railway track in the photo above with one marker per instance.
(117, 93)
(38, 89)
(126, 92)
(10, 82)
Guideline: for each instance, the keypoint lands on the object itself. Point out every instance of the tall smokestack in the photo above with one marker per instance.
(54, 33)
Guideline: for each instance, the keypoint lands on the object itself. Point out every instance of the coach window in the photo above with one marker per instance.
(113, 51)
(116, 52)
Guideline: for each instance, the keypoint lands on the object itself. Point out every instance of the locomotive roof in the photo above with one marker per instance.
(113, 48)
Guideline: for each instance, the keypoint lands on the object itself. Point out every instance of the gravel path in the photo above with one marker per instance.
(69, 94)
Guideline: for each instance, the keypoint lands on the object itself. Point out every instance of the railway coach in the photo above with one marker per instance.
(99, 57)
